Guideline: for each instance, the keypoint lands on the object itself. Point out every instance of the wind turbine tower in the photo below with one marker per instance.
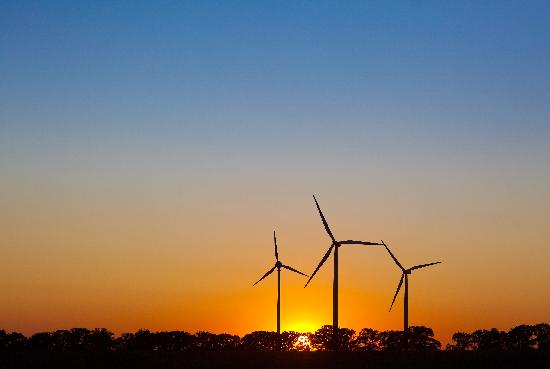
(278, 265)
(335, 245)
(405, 276)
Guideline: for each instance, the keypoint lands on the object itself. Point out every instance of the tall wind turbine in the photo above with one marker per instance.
(278, 266)
(405, 276)
(334, 246)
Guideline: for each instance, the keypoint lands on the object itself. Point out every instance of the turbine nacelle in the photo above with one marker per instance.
(404, 274)
(278, 264)
(335, 244)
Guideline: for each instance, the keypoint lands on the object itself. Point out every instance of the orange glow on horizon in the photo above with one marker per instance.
(134, 270)
(304, 327)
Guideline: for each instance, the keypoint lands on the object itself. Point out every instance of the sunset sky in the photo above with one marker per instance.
(149, 149)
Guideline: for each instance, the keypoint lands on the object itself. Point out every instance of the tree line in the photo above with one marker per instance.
(417, 338)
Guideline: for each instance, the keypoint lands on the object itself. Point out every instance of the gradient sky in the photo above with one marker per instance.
(149, 149)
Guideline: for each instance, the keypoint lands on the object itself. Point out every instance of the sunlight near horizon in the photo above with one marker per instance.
(303, 343)
(304, 326)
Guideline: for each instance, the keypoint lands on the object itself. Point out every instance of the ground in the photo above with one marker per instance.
(288, 360)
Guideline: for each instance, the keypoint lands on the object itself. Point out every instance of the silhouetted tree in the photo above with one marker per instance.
(542, 333)
(367, 340)
(173, 341)
(205, 341)
(521, 338)
(346, 339)
(227, 342)
(12, 341)
(392, 341)
(322, 339)
(292, 342)
(260, 341)
(289, 341)
(420, 338)
(41, 341)
(70, 340)
(3, 339)
(181, 341)
(160, 341)
(142, 340)
(461, 342)
(417, 338)
(99, 339)
(489, 340)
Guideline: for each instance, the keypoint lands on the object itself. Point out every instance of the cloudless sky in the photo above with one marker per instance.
(148, 150)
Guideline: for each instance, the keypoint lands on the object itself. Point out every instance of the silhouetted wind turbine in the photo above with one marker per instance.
(405, 276)
(278, 266)
(335, 245)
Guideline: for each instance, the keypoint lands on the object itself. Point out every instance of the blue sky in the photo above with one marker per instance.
(201, 71)
(418, 89)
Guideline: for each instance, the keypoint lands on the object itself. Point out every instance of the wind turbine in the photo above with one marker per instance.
(278, 266)
(334, 246)
(405, 276)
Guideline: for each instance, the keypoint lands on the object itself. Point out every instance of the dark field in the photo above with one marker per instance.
(298, 360)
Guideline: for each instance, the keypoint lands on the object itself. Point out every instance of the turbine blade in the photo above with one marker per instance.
(275, 242)
(397, 291)
(393, 257)
(327, 254)
(424, 265)
(265, 275)
(327, 228)
(353, 242)
(294, 270)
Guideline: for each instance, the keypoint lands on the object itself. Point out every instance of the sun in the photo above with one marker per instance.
(302, 343)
